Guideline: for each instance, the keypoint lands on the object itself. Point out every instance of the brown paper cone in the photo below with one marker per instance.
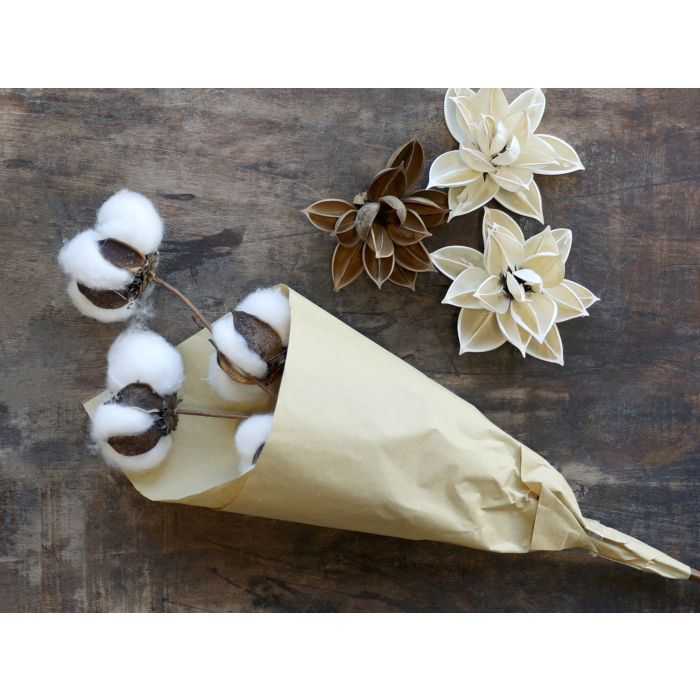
(363, 441)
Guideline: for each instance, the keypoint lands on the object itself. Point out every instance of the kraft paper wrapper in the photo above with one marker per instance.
(363, 441)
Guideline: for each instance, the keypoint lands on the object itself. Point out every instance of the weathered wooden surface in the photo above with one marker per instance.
(230, 171)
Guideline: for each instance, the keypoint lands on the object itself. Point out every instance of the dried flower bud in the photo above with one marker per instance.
(250, 341)
(250, 439)
(110, 266)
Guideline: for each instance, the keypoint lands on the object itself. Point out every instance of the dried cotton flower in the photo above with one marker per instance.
(110, 266)
(514, 291)
(499, 152)
(250, 438)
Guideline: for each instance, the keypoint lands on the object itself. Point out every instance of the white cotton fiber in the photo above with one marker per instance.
(87, 308)
(137, 463)
(230, 390)
(269, 305)
(112, 419)
(82, 260)
(250, 435)
(144, 356)
(232, 344)
(130, 217)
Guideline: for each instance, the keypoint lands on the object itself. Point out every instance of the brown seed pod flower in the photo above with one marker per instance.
(381, 231)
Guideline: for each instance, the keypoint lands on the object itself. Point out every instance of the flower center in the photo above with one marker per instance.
(513, 272)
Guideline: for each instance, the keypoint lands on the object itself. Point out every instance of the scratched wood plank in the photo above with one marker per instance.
(229, 171)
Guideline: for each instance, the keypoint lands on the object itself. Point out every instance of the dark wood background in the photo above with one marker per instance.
(230, 171)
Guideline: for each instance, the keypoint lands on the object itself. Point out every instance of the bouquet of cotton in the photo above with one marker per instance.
(133, 429)
(250, 346)
(110, 266)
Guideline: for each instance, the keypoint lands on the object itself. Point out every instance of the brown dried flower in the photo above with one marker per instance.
(382, 229)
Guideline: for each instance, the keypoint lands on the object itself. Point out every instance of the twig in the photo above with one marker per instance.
(198, 314)
(211, 414)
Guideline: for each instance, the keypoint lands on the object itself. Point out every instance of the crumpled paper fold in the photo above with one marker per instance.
(363, 441)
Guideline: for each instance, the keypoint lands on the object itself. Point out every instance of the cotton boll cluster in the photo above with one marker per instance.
(133, 429)
(250, 438)
(111, 265)
(251, 341)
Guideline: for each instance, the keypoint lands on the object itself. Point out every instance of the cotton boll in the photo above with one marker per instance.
(144, 356)
(87, 308)
(131, 218)
(112, 419)
(232, 344)
(272, 306)
(137, 463)
(249, 439)
(230, 390)
(82, 260)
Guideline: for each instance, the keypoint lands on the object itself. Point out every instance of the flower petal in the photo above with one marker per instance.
(413, 257)
(563, 237)
(532, 102)
(476, 160)
(527, 202)
(379, 269)
(565, 159)
(365, 218)
(542, 243)
(503, 242)
(403, 277)
(449, 170)
(513, 332)
(536, 314)
(401, 235)
(514, 287)
(478, 331)
(324, 213)
(490, 101)
(348, 238)
(546, 260)
(380, 242)
(454, 259)
(495, 219)
(512, 178)
(409, 156)
(430, 205)
(528, 276)
(490, 293)
(396, 204)
(346, 222)
(453, 118)
(550, 349)
(572, 299)
(347, 265)
(472, 196)
(390, 181)
(461, 291)
(510, 155)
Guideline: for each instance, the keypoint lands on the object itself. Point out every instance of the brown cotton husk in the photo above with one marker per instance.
(263, 340)
(124, 257)
(144, 398)
(381, 230)
(366, 442)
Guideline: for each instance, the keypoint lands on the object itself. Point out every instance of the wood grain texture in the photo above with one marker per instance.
(230, 172)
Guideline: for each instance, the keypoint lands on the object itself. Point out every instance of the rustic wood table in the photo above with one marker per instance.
(230, 172)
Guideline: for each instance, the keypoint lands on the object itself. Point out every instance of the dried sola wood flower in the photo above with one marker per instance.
(382, 229)
(250, 346)
(111, 265)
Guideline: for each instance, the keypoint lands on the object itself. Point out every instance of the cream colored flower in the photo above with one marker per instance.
(515, 290)
(499, 152)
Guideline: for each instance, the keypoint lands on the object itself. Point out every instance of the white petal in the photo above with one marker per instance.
(510, 155)
(513, 179)
(455, 121)
(476, 160)
(536, 314)
(528, 276)
(491, 294)
(565, 159)
(461, 291)
(473, 196)
(485, 130)
(535, 153)
(569, 305)
(490, 101)
(514, 287)
(545, 260)
(478, 331)
(550, 350)
(512, 331)
(454, 259)
(500, 139)
(503, 245)
(585, 296)
(532, 102)
(526, 202)
(449, 170)
(563, 238)
(542, 243)
(495, 219)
